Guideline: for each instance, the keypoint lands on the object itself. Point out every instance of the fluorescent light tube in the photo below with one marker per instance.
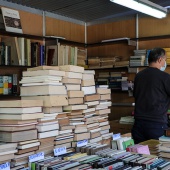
(143, 6)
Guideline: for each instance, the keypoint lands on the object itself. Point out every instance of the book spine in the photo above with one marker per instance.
(2, 53)
(14, 84)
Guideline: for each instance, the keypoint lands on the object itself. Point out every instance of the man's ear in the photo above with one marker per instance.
(159, 60)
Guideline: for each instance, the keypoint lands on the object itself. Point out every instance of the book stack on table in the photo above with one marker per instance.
(18, 119)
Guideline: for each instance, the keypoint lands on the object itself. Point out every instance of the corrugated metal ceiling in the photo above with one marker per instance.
(83, 10)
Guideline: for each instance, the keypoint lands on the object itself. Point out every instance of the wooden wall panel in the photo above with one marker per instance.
(31, 23)
(122, 50)
(149, 44)
(118, 29)
(149, 26)
(70, 31)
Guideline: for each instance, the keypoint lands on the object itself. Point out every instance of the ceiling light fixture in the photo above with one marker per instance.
(144, 6)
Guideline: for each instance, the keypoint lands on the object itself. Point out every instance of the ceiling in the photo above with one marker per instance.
(89, 11)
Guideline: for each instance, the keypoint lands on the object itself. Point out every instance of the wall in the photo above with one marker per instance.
(33, 24)
(149, 26)
(118, 29)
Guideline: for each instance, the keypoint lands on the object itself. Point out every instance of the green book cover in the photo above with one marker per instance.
(128, 143)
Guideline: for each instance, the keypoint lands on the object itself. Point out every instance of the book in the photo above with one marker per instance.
(92, 97)
(71, 68)
(88, 76)
(77, 100)
(22, 116)
(43, 90)
(20, 110)
(23, 151)
(30, 145)
(105, 97)
(72, 87)
(43, 73)
(43, 68)
(74, 93)
(103, 91)
(81, 136)
(52, 109)
(43, 128)
(49, 101)
(16, 128)
(88, 90)
(74, 107)
(17, 122)
(71, 81)
(21, 103)
(87, 83)
(18, 136)
(48, 134)
(73, 75)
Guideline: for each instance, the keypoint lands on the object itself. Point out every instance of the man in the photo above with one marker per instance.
(152, 98)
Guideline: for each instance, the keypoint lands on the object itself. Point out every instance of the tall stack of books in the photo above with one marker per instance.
(103, 111)
(91, 99)
(72, 81)
(45, 83)
(18, 119)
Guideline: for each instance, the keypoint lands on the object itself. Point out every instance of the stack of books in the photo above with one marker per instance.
(72, 81)
(91, 99)
(45, 82)
(103, 110)
(18, 119)
(7, 151)
(164, 147)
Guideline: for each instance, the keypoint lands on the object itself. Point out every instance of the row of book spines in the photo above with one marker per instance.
(32, 56)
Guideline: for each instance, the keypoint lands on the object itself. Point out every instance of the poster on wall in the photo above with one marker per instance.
(12, 20)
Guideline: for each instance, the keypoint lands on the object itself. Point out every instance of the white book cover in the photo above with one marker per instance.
(65, 131)
(51, 115)
(43, 84)
(30, 145)
(89, 90)
(47, 134)
(95, 130)
(75, 107)
(8, 152)
(93, 103)
(89, 110)
(47, 118)
(44, 128)
(20, 110)
(77, 123)
(104, 123)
